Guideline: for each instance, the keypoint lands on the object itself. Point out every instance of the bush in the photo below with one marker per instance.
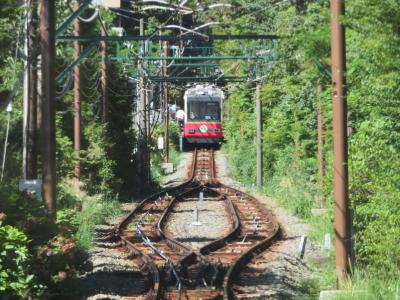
(292, 185)
(375, 195)
(15, 277)
(157, 155)
(98, 168)
(93, 212)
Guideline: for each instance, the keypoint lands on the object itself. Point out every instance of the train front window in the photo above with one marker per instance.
(203, 111)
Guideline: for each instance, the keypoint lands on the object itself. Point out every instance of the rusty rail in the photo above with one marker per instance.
(203, 177)
(155, 293)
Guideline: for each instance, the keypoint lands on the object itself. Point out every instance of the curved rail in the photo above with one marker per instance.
(144, 260)
(129, 217)
(202, 177)
(250, 253)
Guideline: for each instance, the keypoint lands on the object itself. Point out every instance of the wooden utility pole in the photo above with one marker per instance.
(77, 95)
(165, 106)
(259, 128)
(26, 101)
(144, 157)
(104, 76)
(340, 176)
(320, 139)
(47, 46)
(30, 93)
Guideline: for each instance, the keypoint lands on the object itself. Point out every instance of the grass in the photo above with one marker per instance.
(322, 278)
(321, 225)
(365, 286)
(174, 156)
(87, 211)
(156, 160)
(293, 192)
(93, 213)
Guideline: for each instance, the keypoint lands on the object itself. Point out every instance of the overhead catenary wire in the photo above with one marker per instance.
(65, 89)
(120, 95)
(91, 18)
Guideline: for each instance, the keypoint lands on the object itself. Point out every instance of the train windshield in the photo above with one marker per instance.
(204, 111)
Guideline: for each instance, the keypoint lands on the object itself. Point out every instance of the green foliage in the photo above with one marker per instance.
(105, 153)
(93, 212)
(65, 153)
(324, 277)
(375, 194)
(10, 35)
(15, 278)
(25, 213)
(292, 186)
(364, 286)
(79, 213)
(97, 167)
(157, 155)
(288, 97)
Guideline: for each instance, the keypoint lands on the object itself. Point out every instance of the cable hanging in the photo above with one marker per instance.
(9, 109)
(91, 18)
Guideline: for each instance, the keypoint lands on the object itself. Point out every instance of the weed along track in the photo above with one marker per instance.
(191, 241)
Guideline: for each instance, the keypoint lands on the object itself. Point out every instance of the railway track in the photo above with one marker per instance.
(196, 259)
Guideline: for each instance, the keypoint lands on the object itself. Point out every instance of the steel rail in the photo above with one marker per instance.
(260, 246)
(127, 219)
(148, 263)
(202, 177)
(245, 257)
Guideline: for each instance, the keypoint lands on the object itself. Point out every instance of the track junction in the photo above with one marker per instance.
(196, 260)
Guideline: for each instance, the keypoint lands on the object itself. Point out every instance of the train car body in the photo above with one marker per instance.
(203, 115)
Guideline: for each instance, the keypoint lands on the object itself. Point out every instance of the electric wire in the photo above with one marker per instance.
(88, 20)
(92, 18)
(5, 144)
(96, 79)
(120, 95)
(114, 10)
(65, 88)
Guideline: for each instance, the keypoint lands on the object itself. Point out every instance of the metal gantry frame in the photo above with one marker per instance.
(256, 58)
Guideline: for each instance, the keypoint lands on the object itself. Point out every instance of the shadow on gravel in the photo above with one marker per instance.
(121, 283)
(188, 210)
(274, 279)
(195, 239)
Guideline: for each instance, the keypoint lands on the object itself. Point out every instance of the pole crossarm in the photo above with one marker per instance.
(195, 65)
(168, 38)
(72, 17)
(199, 78)
(205, 58)
(85, 53)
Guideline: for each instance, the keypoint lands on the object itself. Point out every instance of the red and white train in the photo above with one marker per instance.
(203, 115)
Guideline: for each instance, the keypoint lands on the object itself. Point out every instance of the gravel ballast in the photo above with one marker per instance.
(113, 274)
(280, 272)
(213, 218)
